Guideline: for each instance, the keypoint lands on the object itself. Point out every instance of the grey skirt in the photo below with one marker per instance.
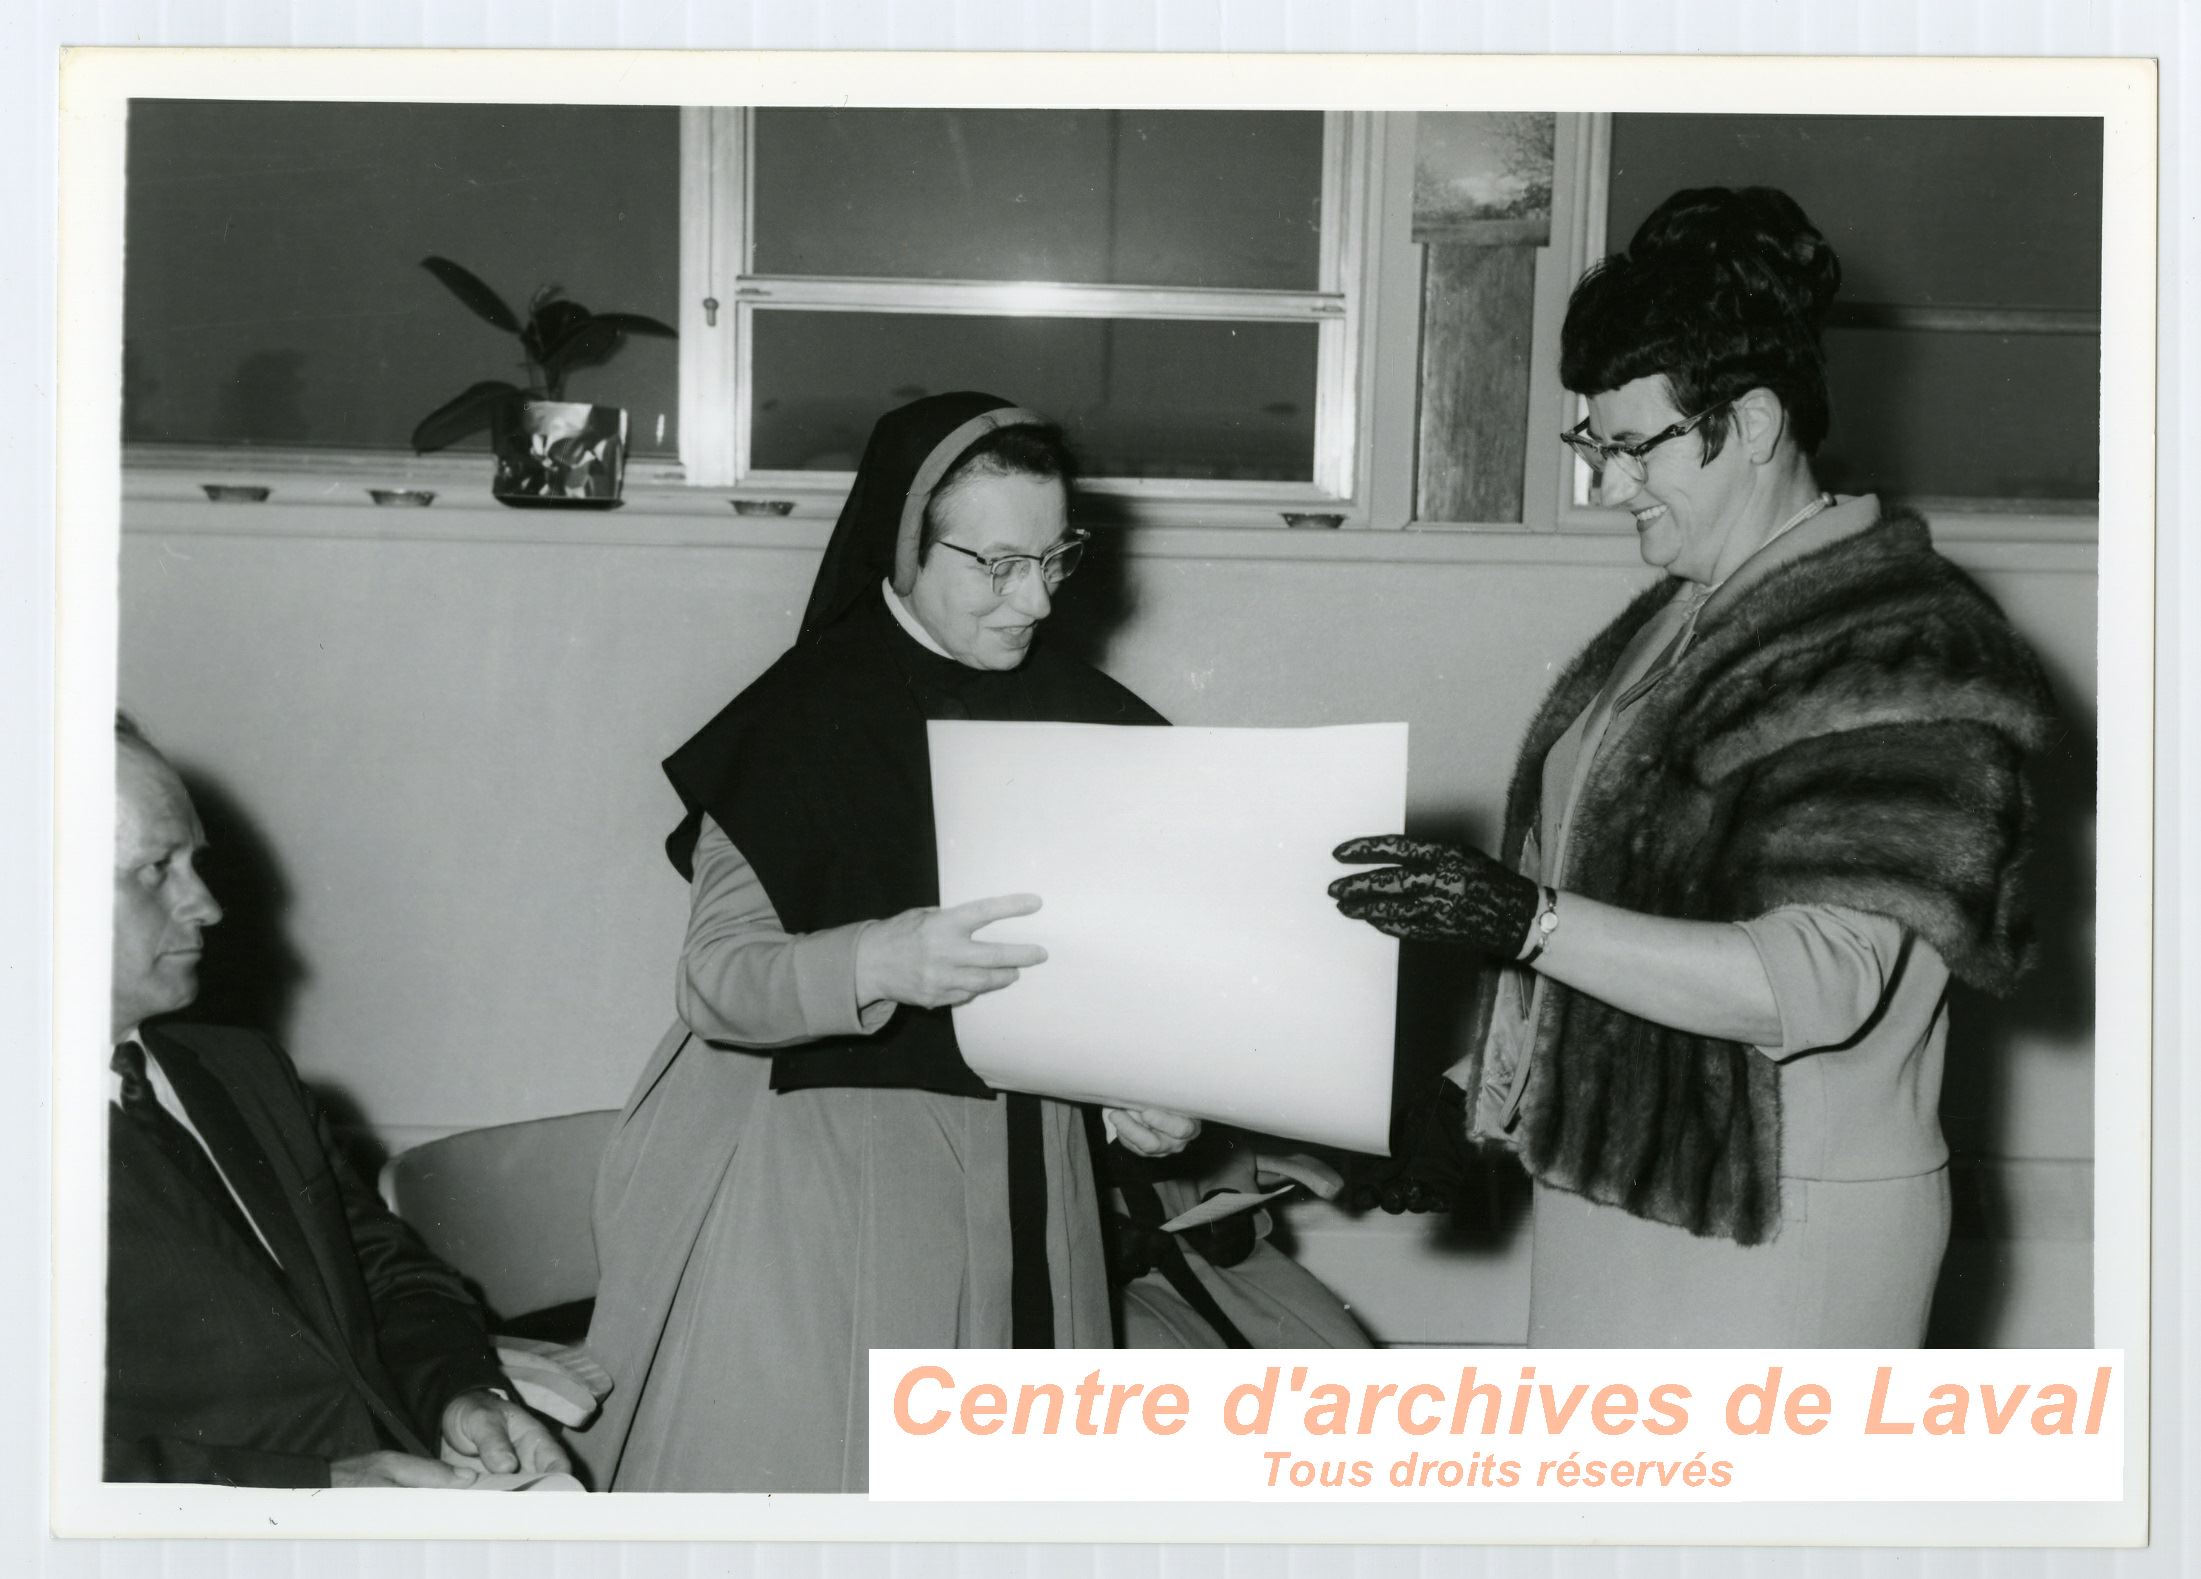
(1854, 1266)
(756, 1245)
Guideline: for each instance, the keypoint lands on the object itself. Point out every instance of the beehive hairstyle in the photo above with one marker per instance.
(1721, 291)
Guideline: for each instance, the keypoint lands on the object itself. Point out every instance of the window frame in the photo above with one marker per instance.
(721, 296)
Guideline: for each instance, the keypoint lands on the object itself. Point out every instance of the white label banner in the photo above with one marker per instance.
(1497, 1425)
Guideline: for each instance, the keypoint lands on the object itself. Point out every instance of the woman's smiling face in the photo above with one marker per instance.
(1687, 510)
(989, 513)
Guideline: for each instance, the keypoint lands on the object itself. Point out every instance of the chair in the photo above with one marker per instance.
(509, 1206)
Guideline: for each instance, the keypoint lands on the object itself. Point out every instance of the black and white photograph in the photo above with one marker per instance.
(564, 542)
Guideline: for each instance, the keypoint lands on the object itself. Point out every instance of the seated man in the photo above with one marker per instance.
(269, 1322)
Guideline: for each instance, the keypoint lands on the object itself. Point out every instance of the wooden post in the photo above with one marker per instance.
(1478, 308)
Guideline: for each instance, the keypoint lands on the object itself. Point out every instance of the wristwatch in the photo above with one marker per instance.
(1541, 929)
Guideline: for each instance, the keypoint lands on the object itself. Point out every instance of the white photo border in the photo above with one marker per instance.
(97, 85)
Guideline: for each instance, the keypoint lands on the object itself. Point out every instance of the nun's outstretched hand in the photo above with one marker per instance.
(928, 958)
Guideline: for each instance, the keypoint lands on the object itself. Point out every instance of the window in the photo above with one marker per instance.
(273, 295)
(1182, 289)
(1964, 351)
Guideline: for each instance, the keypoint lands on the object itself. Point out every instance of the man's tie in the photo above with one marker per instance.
(142, 1108)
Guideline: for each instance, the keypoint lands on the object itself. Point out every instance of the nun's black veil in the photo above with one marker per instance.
(820, 774)
(910, 448)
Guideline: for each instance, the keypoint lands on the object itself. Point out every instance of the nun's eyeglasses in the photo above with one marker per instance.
(1626, 459)
(1008, 571)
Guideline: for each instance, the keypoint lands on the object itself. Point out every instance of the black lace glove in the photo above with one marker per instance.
(1437, 894)
(1430, 1172)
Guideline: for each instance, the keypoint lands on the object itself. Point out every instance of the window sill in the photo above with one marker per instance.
(172, 474)
(325, 495)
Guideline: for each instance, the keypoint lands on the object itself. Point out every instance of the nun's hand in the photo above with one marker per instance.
(929, 959)
(1437, 893)
(1151, 1131)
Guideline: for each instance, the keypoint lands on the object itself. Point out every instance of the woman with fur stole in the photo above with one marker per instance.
(1756, 828)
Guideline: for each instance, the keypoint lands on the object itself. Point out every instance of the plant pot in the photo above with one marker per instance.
(558, 450)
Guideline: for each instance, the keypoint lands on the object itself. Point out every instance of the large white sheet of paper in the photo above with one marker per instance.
(1194, 960)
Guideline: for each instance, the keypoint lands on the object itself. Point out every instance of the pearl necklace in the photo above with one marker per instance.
(1824, 501)
(1698, 597)
(1811, 508)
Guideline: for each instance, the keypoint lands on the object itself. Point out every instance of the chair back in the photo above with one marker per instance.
(510, 1206)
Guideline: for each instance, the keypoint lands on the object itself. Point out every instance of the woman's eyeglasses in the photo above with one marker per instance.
(1007, 571)
(1627, 459)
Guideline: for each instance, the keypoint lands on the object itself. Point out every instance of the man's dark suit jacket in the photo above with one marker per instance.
(222, 1368)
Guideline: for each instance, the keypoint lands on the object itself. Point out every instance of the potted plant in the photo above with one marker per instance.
(549, 450)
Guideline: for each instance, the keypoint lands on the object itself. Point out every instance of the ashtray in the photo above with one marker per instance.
(403, 498)
(763, 506)
(1312, 519)
(235, 492)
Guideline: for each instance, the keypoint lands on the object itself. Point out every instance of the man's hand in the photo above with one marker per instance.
(501, 1434)
(1152, 1131)
(399, 1469)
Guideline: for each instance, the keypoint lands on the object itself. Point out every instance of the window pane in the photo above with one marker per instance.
(274, 293)
(1090, 197)
(1963, 415)
(1928, 211)
(1138, 398)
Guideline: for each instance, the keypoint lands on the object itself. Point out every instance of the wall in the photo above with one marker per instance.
(427, 745)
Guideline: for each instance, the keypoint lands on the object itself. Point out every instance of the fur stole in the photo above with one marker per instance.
(1849, 730)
